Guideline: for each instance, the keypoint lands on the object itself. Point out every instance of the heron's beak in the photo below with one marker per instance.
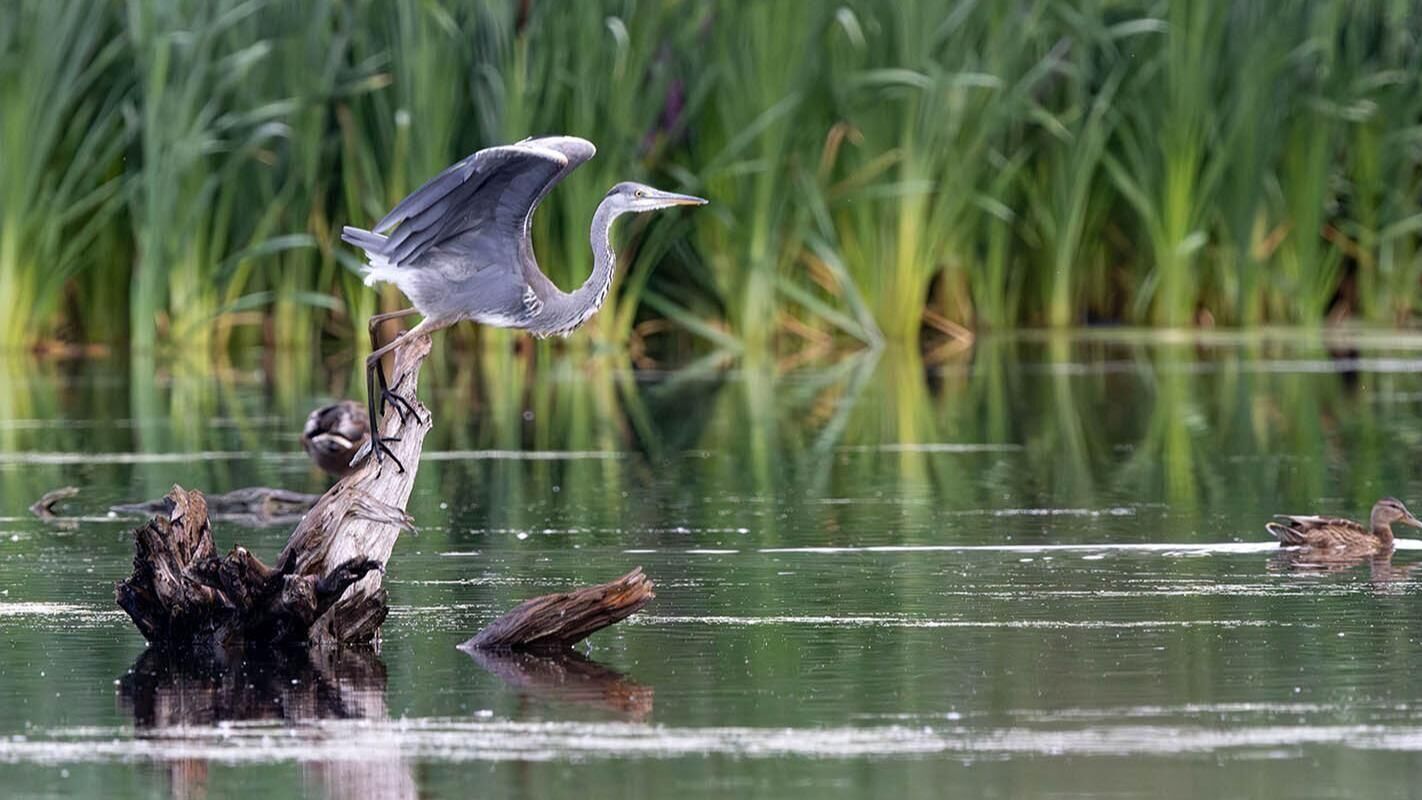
(674, 199)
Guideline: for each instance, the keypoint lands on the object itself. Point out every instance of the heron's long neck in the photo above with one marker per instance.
(589, 297)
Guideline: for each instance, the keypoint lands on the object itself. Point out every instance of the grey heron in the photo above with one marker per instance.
(459, 248)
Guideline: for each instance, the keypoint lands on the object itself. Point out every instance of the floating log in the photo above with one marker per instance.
(44, 507)
(556, 622)
(253, 505)
(324, 587)
(256, 505)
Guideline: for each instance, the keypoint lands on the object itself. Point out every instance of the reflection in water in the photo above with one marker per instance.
(863, 558)
(568, 677)
(1382, 573)
(179, 696)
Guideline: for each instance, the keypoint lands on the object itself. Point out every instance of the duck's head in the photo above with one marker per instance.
(1389, 510)
(333, 434)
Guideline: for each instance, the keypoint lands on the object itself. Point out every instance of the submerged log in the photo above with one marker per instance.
(44, 508)
(556, 622)
(324, 587)
(253, 505)
(257, 505)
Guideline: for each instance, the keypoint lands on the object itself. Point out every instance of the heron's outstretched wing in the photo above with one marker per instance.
(478, 212)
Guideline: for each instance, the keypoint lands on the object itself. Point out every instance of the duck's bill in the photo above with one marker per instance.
(672, 198)
(1411, 520)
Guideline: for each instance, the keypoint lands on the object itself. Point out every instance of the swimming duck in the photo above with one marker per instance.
(333, 434)
(1344, 534)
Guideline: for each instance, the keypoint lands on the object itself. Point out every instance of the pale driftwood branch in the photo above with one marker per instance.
(559, 621)
(363, 514)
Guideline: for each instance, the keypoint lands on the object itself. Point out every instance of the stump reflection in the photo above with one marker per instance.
(184, 695)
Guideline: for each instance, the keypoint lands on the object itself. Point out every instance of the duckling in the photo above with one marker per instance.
(334, 433)
(1344, 534)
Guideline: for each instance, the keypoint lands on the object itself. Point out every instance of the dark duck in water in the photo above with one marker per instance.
(1345, 535)
(334, 433)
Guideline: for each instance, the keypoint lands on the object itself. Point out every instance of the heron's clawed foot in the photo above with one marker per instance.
(381, 451)
(403, 407)
(388, 396)
(376, 445)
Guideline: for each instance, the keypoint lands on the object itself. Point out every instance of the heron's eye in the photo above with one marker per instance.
(641, 193)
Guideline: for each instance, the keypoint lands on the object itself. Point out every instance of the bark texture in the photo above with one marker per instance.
(556, 622)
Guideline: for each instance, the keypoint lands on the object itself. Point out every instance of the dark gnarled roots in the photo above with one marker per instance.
(181, 593)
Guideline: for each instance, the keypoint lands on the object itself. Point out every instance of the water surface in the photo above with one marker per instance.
(1038, 570)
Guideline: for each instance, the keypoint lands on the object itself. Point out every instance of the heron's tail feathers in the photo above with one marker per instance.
(362, 238)
(379, 269)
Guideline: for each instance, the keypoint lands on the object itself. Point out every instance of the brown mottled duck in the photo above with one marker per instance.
(334, 433)
(1345, 535)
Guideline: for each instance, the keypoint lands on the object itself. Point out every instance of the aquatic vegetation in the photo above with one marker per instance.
(61, 133)
(174, 172)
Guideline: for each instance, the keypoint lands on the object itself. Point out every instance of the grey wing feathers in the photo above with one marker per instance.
(575, 150)
(498, 186)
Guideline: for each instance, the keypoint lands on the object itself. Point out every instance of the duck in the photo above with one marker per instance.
(1344, 535)
(333, 434)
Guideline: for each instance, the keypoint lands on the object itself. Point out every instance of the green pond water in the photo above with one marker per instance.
(1037, 569)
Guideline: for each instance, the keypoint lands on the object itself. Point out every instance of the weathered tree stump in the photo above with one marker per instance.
(556, 622)
(325, 586)
(181, 594)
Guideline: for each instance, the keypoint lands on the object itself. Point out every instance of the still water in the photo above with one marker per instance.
(1035, 570)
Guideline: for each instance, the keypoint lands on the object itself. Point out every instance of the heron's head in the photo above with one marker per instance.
(630, 196)
(1389, 510)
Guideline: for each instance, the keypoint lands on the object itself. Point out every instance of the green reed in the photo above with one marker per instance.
(176, 172)
(61, 91)
(938, 87)
(750, 151)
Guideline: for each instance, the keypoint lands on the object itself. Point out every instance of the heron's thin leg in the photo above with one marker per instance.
(377, 442)
(376, 319)
(402, 406)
